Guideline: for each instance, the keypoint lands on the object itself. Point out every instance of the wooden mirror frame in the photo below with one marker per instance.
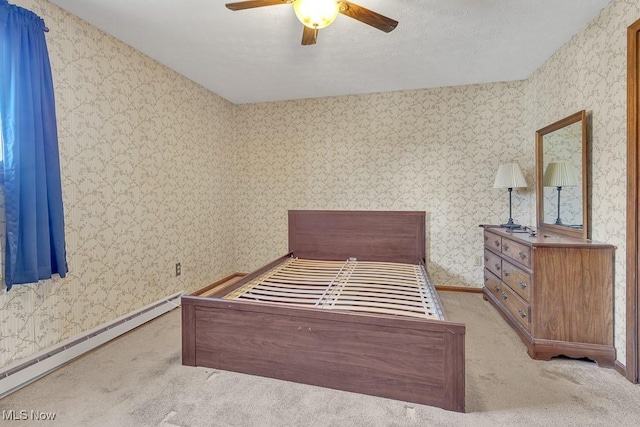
(580, 116)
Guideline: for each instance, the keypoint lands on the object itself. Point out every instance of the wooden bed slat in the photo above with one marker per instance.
(344, 298)
(301, 281)
(386, 288)
(376, 304)
(264, 286)
(302, 278)
(259, 297)
(401, 287)
(296, 274)
(368, 293)
(323, 263)
(386, 311)
(411, 280)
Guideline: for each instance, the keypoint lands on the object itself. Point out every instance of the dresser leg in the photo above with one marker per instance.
(604, 356)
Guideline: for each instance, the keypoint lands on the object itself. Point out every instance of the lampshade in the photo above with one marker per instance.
(316, 13)
(560, 174)
(509, 176)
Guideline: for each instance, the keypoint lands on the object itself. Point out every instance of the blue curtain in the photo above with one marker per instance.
(35, 244)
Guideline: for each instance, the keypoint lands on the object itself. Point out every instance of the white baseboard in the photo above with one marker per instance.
(38, 365)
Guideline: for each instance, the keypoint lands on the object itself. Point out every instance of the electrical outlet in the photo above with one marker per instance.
(478, 260)
(178, 269)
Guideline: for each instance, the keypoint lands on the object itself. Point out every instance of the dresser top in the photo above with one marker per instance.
(543, 239)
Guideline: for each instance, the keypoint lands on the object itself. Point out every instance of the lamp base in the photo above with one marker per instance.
(510, 225)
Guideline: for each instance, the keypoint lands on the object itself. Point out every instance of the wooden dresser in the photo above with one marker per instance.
(556, 292)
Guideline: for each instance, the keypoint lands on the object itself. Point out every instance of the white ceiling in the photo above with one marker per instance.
(255, 55)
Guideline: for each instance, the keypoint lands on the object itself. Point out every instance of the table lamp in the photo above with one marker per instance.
(509, 176)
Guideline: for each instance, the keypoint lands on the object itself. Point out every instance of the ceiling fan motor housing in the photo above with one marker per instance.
(316, 14)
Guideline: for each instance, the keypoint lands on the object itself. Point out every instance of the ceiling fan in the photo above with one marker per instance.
(317, 14)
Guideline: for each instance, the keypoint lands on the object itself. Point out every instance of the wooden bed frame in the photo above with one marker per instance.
(403, 358)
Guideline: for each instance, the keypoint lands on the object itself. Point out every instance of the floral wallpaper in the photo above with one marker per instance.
(590, 73)
(156, 170)
(145, 160)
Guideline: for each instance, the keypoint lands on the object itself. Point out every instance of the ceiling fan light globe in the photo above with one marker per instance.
(316, 13)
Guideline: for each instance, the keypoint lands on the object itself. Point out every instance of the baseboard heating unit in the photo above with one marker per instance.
(38, 365)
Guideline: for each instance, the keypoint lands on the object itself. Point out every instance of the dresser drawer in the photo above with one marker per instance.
(517, 251)
(493, 263)
(492, 283)
(492, 241)
(514, 305)
(518, 280)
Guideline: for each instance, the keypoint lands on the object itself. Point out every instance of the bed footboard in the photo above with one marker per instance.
(407, 359)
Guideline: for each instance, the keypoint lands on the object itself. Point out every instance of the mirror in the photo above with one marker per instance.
(561, 172)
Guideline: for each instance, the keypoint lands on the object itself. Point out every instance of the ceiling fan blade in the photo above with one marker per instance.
(241, 5)
(309, 36)
(367, 16)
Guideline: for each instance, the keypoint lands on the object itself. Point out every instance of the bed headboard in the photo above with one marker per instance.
(394, 236)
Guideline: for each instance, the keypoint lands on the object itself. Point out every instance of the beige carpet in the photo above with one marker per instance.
(137, 380)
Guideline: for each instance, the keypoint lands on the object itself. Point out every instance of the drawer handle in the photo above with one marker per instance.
(522, 284)
(522, 255)
(486, 259)
(497, 288)
(497, 242)
(505, 247)
(486, 279)
(486, 238)
(505, 296)
(497, 266)
(522, 313)
(505, 272)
